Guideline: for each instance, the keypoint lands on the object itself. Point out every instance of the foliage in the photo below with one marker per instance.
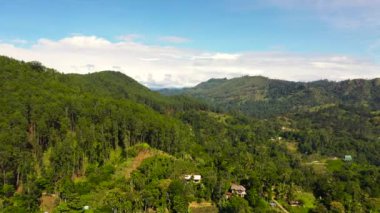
(75, 138)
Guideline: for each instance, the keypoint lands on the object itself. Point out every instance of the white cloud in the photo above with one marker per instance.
(174, 39)
(149, 59)
(74, 41)
(217, 56)
(164, 66)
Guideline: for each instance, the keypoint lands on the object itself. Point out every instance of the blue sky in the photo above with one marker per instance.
(228, 33)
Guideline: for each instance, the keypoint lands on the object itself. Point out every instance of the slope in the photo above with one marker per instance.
(75, 137)
(52, 126)
(262, 97)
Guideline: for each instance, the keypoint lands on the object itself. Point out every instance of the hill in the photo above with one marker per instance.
(262, 97)
(346, 110)
(103, 141)
(119, 86)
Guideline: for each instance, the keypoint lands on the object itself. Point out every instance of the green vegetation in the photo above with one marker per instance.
(262, 97)
(104, 141)
(334, 165)
(202, 207)
(306, 199)
(331, 118)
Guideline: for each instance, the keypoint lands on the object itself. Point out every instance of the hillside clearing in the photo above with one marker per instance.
(202, 207)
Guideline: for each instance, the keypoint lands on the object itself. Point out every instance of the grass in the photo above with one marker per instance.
(138, 160)
(299, 210)
(48, 202)
(375, 203)
(321, 164)
(292, 147)
(334, 165)
(202, 207)
(321, 107)
(126, 167)
(308, 200)
(319, 168)
(121, 169)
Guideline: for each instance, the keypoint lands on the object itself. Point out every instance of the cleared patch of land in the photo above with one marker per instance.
(48, 202)
(308, 201)
(136, 162)
(202, 207)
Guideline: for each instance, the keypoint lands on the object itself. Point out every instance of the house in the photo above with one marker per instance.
(194, 178)
(197, 178)
(238, 190)
(347, 158)
(295, 203)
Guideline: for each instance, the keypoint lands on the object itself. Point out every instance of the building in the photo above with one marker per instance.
(194, 178)
(197, 178)
(238, 190)
(347, 158)
(295, 203)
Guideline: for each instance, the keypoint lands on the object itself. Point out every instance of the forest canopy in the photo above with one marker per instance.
(105, 143)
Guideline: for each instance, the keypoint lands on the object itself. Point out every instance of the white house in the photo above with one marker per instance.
(194, 178)
(197, 178)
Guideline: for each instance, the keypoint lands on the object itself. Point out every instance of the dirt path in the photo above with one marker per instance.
(137, 161)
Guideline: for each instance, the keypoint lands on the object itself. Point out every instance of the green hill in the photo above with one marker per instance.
(262, 97)
(347, 111)
(105, 142)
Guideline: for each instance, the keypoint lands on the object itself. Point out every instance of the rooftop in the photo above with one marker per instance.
(237, 187)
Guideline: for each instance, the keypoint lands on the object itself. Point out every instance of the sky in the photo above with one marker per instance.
(180, 43)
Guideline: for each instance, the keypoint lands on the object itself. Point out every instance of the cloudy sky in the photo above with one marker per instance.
(177, 43)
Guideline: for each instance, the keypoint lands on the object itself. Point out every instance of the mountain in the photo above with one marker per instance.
(105, 143)
(54, 126)
(348, 109)
(262, 97)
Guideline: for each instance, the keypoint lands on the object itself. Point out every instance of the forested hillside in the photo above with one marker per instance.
(262, 97)
(328, 117)
(102, 142)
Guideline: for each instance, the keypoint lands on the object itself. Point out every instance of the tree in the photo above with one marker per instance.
(337, 207)
(236, 204)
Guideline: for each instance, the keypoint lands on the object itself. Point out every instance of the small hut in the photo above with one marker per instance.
(347, 158)
(238, 190)
(197, 178)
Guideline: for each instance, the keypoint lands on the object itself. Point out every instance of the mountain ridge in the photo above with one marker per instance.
(70, 141)
(252, 94)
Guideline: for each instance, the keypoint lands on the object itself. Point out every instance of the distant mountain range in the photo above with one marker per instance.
(263, 97)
